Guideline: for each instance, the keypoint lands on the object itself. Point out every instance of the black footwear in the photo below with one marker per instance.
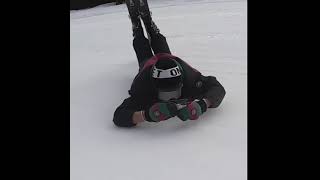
(144, 8)
(145, 13)
(133, 9)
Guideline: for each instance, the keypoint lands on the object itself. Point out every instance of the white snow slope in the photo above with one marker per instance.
(211, 36)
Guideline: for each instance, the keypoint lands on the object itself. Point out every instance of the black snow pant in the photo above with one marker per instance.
(143, 48)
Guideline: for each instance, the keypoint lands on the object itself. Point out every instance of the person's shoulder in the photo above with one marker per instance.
(142, 84)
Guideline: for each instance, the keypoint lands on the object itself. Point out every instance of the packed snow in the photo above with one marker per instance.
(209, 35)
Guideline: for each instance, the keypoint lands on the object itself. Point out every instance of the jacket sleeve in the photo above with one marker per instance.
(212, 90)
(123, 115)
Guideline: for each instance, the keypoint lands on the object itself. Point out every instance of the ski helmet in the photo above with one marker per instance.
(167, 78)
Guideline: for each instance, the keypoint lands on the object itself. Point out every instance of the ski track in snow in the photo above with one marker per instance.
(208, 34)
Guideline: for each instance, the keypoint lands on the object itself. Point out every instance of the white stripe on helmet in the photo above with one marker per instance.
(167, 73)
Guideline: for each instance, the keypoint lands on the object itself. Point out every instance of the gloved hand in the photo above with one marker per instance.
(192, 110)
(161, 111)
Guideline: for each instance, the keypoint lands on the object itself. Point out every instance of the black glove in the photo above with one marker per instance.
(161, 111)
(193, 110)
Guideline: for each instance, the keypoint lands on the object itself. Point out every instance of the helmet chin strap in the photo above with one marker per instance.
(166, 96)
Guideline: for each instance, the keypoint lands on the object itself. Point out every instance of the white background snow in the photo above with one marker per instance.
(211, 36)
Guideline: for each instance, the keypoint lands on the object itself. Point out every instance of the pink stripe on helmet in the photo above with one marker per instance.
(157, 57)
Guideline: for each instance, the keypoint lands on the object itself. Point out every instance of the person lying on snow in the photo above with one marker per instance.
(166, 86)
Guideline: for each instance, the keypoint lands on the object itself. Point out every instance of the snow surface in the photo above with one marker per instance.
(211, 36)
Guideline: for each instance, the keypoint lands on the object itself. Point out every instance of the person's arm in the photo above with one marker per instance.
(208, 103)
(138, 117)
(214, 92)
(211, 95)
(128, 114)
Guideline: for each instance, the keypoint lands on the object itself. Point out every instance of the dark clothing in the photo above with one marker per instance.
(143, 50)
(143, 94)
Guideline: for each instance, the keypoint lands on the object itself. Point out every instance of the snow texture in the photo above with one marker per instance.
(211, 36)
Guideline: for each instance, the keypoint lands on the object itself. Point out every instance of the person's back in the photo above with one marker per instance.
(166, 86)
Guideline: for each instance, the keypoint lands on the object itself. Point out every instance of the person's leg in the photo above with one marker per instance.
(159, 44)
(140, 43)
(157, 40)
(141, 47)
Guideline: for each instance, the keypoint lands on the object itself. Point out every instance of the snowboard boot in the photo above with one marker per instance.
(149, 24)
(133, 9)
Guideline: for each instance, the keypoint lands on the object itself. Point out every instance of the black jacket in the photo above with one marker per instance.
(143, 94)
